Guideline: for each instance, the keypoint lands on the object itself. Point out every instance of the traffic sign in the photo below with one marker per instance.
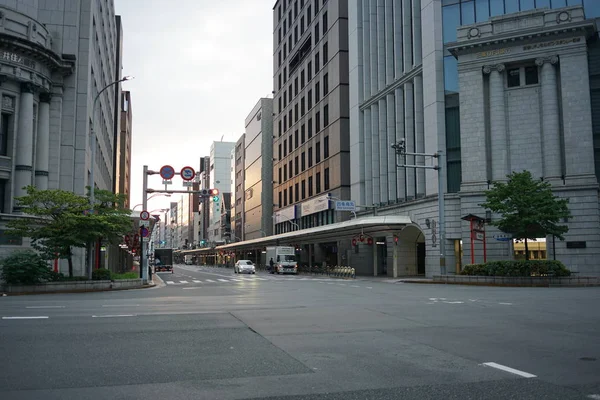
(187, 173)
(188, 184)
(144, 231)
(167, 172)
(144, 215)
(345, 205)
(145, 223)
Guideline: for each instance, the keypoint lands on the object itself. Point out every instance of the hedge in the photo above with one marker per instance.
(517, 268)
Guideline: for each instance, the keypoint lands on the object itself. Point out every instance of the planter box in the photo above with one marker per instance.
(546, 281)
(49, 287)
(127, 283)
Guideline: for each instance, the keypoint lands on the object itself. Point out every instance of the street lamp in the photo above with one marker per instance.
(93, 163)
(330, 197)
(287, 220)
(154, 195)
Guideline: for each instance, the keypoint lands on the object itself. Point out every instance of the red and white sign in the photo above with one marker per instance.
(187, 173)
(144, 215)
(167, 172)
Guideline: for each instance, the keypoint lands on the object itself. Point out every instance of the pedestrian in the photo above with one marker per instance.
(271, 264)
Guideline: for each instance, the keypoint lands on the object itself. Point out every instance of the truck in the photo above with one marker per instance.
(284, 259)
(188, 259)
(163, 260)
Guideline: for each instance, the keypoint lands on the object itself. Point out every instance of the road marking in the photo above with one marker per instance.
(183, 281)
(120, 305)
(594, 396)
(196, 281)
(329, 283)
(170, 283)
(210, 280)
(354, 286)
(39, 317)
(506, 304)
(192, 288)
(222, 280)
(261, 279)
(236, 280)
(113, 316)
(454, 302)
(369, 287)
(509, 369)
(45, 307)
(342, 284)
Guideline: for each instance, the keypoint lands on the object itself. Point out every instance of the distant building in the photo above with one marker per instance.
(123, 149)
(220, 178)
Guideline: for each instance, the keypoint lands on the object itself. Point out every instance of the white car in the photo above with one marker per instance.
(244, 267)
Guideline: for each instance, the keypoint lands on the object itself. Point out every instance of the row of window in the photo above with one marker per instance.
(282, 78)
(294, 36)
(299, 162)
(298, 191)
(302, 132)
(305, 105)
(297, 7)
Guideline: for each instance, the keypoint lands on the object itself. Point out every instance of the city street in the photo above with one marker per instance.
(210, 334)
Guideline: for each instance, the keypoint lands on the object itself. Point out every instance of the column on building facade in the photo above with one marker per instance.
(381, 28)
(373, 46)
(407, 34)
(398, 37)
(416, 17)
(497, 112)
(400, 172)
(366, 54)
(375, 151)
(391, 155)
(389, 42)
(383, 152)
(419, 135)
(368, 157)
(409, 132)
(24, 154)
(551, 144)
(42, 153)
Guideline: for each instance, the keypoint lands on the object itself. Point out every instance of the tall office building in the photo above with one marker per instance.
(256, 199)
(221, 177)
(497, 86)
(238, 155)
(55, 57)
(311, 125)
(123, 149)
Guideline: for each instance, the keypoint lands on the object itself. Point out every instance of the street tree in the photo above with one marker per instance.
(57, 221)
(528, 209)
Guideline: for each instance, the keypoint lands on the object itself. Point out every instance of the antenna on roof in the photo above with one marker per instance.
(222, 137)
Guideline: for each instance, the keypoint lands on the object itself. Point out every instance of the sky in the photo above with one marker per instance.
(199, 68)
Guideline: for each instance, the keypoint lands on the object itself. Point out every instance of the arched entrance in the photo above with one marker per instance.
(411, 251)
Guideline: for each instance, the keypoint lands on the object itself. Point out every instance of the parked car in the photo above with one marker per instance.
(244, 267)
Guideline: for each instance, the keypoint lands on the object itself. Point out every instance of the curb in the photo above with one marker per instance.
(501, 284)
(149, 286)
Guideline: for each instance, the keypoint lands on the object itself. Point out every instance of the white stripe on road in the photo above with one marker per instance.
(39, 317)
(236, 280)
(196, 281)
(45, 307)
(506, 304)
(369, 287)
(170, 283)
(222, 280)
(262, 279)
(113, 316)
(594, 396)
(354, 286)
(209, 280)
(509, 369)
(120, 305)
(183, 281)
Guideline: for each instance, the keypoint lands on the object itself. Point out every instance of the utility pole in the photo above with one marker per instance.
(400, 149)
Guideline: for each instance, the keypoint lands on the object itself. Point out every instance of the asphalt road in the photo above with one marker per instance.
(210, 334)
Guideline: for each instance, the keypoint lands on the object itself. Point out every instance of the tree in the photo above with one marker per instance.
(56, 221)
(528, 208)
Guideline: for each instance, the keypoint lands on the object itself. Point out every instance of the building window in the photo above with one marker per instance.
(285, 198)
(309, 95)
(280, 175)
(279, 59)
(296, 166)
(317, 92)
(318, 182)
(325, 147)
(290, 168)
(302, 107)
(310, 157)
(296, 139)
(3, 196)
(279, 203)
(284, 74)
(302, 134)
(284, 98)
(303, 161)
(316, 32)
(296, 87)
(4, 132)
(520, 76)
(296, 195)
(325, 53)
(284, 50)
(310, 130)
(279, 36)
(290, 96)
(280, 151)
(296, 112)
(279, 105)
(318, 122)
(316, 61)
(309, 70)
(284, 147)
(513, 77)
(325, 84)
(326, 115)
(301, 25)
(531, 75)
(453, 160)
(302, 82)
(303, 185)
(324, 22)
(290, 147)
(310, 186)
(318, 152)
(284, 173)
(296, 34)
(326, 179)
(279, 82)
(291, 195)
(279, 13)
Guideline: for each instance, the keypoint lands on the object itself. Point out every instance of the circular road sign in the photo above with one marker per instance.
(144, 215)
(144, 231)
(167, 172)
(187, 173)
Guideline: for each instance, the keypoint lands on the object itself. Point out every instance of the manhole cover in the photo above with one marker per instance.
(587, 359)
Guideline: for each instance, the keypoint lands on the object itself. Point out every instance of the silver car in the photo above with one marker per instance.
(244, 267)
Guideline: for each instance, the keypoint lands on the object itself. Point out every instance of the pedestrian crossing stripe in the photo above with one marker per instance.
(241, 279)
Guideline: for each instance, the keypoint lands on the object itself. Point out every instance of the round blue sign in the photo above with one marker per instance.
(167, 172)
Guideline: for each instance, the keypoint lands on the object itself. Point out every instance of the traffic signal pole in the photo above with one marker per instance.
(143, 255)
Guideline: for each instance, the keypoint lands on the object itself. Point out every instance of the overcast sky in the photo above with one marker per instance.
(200, 66)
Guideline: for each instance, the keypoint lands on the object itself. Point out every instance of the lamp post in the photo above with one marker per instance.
(93, 162)
(154, 195)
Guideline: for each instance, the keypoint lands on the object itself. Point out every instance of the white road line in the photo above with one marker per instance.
(236, 280)
(196, 281)
(120, 305)
(170, 283)
(261, 279)
(39, 317)
(183, 281)
(45, 307)
(210, 280)
(113, 316)
(369, 287)
(506, 304)
(192, 288)
(222, 280)
(509, 369)
(594, 396)
(354, 286)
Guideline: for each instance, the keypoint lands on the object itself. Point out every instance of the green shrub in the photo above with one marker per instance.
(517, 268)
(126, 275)
(25, 267)
(101, 274)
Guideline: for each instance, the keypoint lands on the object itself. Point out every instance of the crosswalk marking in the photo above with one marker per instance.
(236, 280)
(170, 282)
(196, 281)
(183, 281)
(210, 280)
(262, 279)
(222, 280)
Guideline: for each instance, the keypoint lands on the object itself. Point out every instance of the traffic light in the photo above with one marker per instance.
(215, 195)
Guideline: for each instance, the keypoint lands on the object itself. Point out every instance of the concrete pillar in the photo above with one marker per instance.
(398, 37)
(381, 45)
(42, 153)
(375, 153)
(409, 132)
(389, 41)
(368, 157)
(373, 46)
(24, 154)
(366, 42)
(419, 135)
(383, 152)
(395, 254)
(400, 172)
(407, 34)
(416, 32)
(374, 248)
(551, 144)
(499, 139)
(392, 171)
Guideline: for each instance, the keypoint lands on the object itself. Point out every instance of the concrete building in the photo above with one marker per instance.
(237, 189)
(497, 86)
(256, 177)
(311, 116)
(55, 58)
(123, 149)
(220, 178)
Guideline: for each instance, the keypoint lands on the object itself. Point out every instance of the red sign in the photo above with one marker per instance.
(370, 241)
(354, 242)
(167, 172)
